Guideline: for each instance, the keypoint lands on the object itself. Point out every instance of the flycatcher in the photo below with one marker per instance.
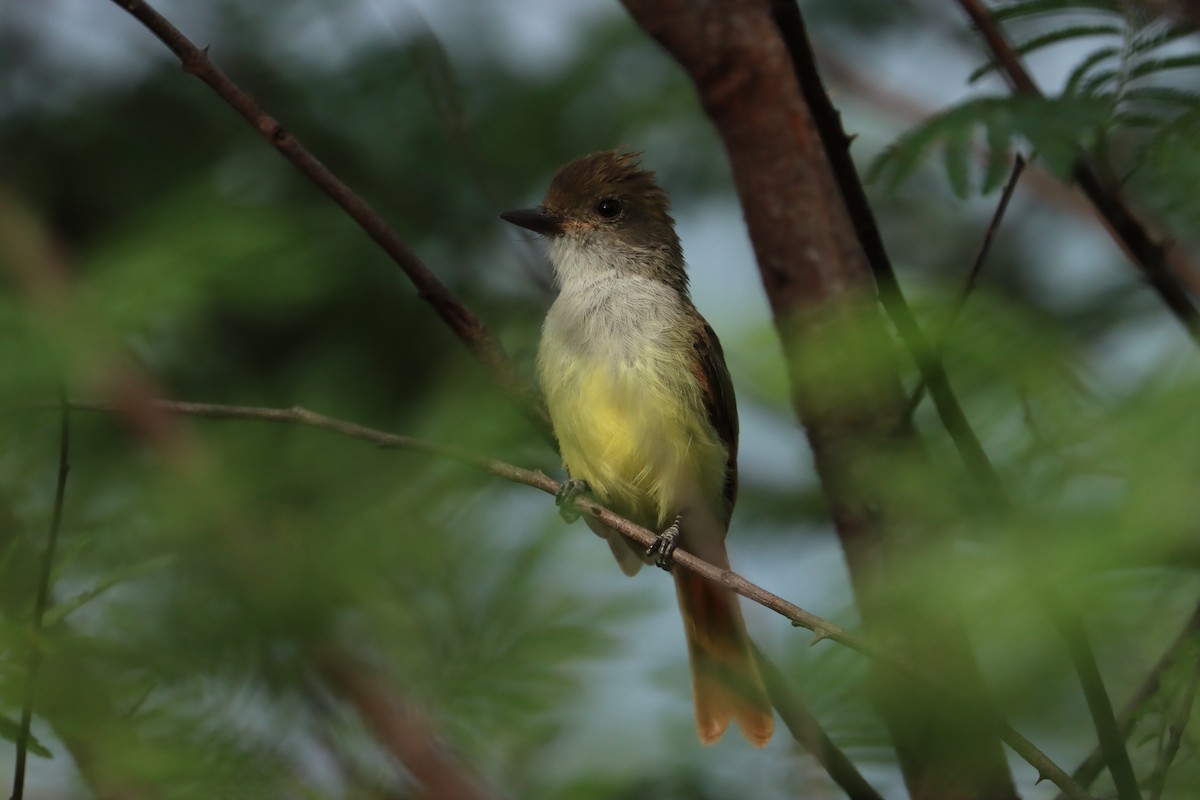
(643, 408)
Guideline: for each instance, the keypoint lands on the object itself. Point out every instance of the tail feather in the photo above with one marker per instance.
(726, 682)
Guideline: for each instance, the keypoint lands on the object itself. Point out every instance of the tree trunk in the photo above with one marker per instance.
(845, 386)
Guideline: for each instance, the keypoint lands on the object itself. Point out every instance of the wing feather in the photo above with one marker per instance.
(716, 387)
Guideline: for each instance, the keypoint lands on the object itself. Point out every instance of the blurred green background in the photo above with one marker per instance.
(145, 230)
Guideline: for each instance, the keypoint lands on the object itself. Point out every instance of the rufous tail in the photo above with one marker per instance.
(726, 682)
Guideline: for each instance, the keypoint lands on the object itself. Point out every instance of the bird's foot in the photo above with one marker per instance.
(565, 499)
(664, 546)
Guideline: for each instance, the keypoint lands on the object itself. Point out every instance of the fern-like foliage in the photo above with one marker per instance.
(1135, 83)
(1055, 128)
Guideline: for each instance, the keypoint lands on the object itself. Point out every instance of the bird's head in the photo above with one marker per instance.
(604, 212)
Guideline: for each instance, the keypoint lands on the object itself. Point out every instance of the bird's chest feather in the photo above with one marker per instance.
(616, 370)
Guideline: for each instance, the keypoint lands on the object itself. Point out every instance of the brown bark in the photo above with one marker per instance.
(401, 728)
(845, 388)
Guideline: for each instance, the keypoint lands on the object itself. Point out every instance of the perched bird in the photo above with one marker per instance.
(643, 408)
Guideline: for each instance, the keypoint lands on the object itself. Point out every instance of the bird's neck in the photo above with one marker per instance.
(585, 265)
(616, 318)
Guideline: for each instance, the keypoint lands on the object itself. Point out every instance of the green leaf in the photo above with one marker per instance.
(61, 610)
(1080, 73)
(900, 160)
(1093, 86)
(1153, 66)
(1153, 38)
(1064, 130)
(998, 160)
(1047, 39)
(957, 158)
(70, 551)
(1164, 95)
(1058, 128)
(1029, 8)
(11, 731)
(1134, 119)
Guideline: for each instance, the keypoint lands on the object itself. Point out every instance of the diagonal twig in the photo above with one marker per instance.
(1150, 258)
(1147, 255)
(1135, 707)
(818, 280)
(469, 328)
(824, 629)
(985, 247)
(444, 91)
(836, 144)
(1158, 781)
(195, 64)
(1071, 628)
(788, 18)
(42, 598)
(807, 730)
(472, 332)
(296, 415)
(392, 728)
(791, 23)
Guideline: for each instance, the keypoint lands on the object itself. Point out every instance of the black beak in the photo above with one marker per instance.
(537, 220)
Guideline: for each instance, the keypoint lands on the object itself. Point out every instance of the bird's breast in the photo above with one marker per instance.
(626, 406)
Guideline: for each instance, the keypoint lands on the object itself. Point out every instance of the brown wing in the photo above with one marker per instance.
(717, 389)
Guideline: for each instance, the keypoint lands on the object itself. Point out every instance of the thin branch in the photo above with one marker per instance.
(824, 629)
(469, 328)
(818, 282)
(91, 734)
(1150, 258)
(1148, 255)
(1090, 767)
(807, 730)
(444, 91)
(985, 247)
(195, 61)
(1175, 737)
(799, 720)
(787, 16)
(852, 79)
(42, 598)
(400, 727)
(534, 478)
(443, 88)
(1073, 632)
(836, 144)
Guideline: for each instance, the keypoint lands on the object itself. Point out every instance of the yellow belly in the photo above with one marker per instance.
(637, 433)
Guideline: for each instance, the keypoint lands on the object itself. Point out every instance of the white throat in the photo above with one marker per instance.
(607, 307)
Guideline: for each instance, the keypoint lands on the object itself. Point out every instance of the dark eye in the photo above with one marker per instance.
(609, 207)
